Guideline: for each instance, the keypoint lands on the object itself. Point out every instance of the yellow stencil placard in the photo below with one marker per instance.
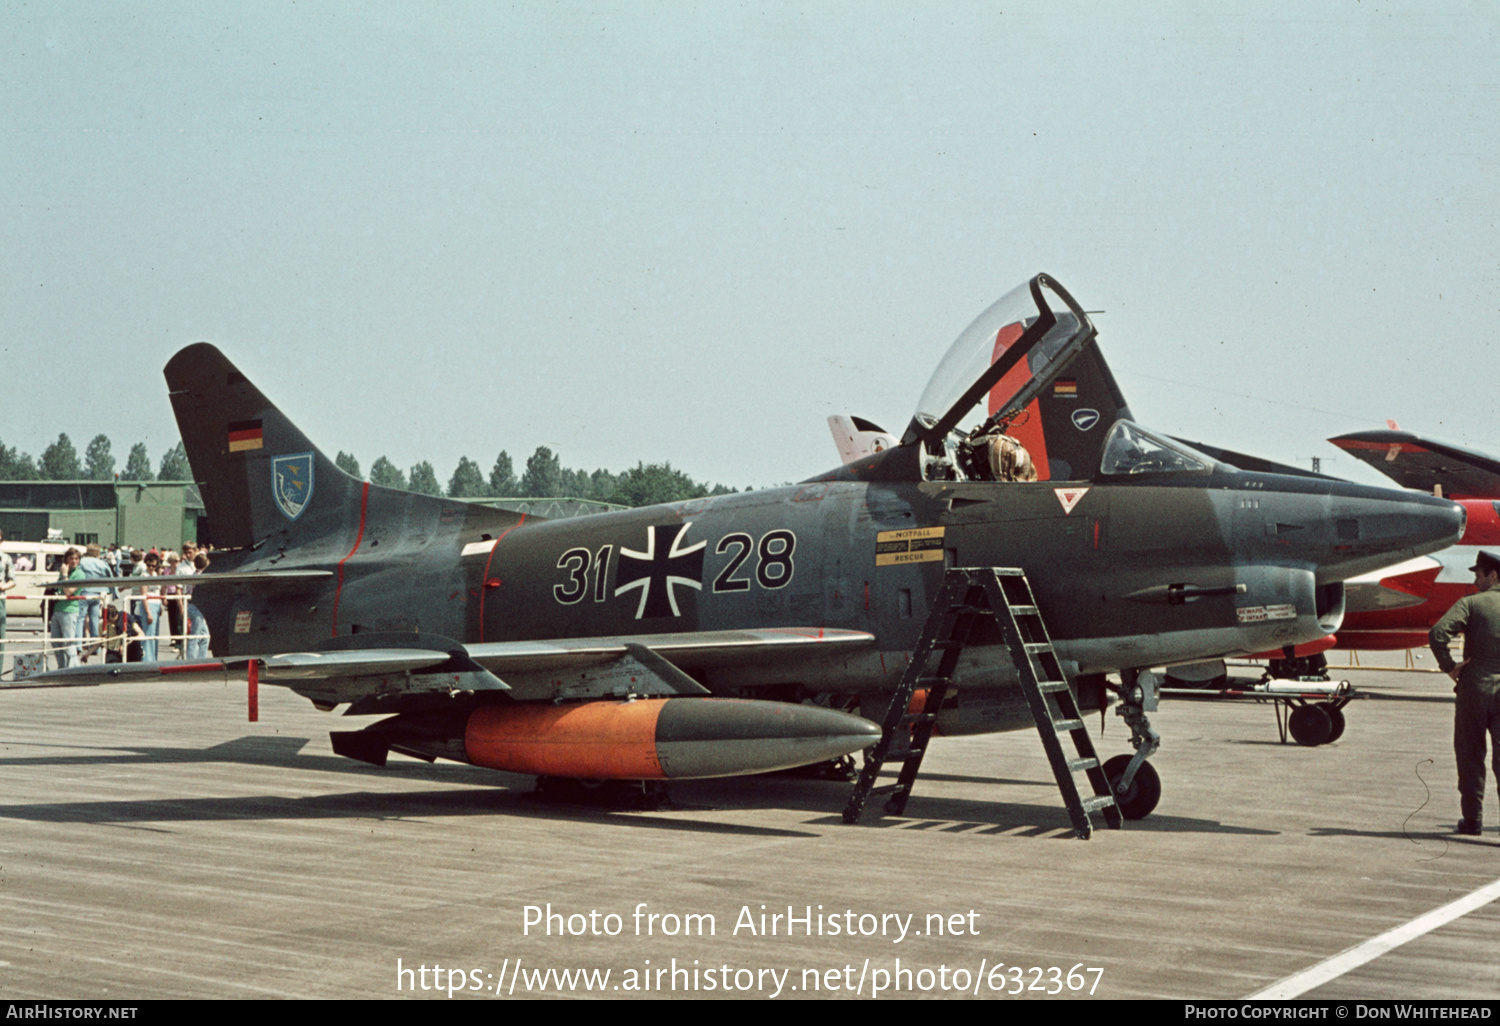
(915, 545)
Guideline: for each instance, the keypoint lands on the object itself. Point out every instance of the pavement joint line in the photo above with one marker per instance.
(1369, 950)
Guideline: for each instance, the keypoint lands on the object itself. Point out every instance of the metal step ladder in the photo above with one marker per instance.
(967, 598)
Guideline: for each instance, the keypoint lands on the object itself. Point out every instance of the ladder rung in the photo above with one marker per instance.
(885, 789)
(1064, 725)
(933, 681)
(1098, 801)
(1075, 765)
(1021, 611)
(911, 718)
(1038, 646)
(1052, 685)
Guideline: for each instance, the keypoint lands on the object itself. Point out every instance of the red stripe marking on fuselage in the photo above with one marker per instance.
(364, 504)
(488, 560)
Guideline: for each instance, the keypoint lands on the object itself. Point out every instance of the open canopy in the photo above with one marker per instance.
(1002, 361)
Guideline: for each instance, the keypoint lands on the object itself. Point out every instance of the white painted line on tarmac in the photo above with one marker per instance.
(1368, 951)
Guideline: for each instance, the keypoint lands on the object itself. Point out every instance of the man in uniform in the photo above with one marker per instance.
(1477, 684)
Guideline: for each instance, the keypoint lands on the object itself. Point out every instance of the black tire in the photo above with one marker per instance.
(1336, 717)
(1310, 725)
(1145, 790)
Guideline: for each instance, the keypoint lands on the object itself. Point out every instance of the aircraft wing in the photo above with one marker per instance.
(378, 673)
(649, 664)
(1413, 461)
(273, 669)
(695, 648)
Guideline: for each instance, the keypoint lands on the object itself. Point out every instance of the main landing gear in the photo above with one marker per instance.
(1136, 785)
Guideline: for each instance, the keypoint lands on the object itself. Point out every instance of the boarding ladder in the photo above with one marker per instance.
(968, 597)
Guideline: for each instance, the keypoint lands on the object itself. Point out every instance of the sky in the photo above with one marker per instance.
(690, 232)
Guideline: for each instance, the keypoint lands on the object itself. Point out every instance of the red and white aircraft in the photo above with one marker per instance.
(1381, 619)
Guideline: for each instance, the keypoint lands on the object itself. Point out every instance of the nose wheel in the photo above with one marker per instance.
(1138, 799)
(1134, 781)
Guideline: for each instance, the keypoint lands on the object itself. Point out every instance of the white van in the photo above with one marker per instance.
(34, 565)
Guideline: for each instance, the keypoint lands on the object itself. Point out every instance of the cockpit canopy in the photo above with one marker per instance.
(997, 407)
(1131, 449)
(1002, 360)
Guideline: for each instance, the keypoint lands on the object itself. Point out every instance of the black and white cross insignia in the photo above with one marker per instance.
(658, 578)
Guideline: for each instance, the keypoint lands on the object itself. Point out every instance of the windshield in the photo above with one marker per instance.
(1131, 449)
(970, 386)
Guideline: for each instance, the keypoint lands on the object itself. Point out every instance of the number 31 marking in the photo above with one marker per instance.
(576, 562)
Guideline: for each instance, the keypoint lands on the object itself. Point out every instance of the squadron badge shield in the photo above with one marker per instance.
(292, 483)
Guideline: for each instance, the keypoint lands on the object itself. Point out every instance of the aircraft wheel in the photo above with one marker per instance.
(1310, 725)
(1336, 717)
(1144, 792)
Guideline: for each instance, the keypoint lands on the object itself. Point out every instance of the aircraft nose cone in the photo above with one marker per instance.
(1418, 521)
(1377, 527)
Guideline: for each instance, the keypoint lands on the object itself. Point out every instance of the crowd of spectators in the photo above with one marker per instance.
(127, 622)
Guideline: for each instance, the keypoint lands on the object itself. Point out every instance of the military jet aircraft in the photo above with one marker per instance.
(1469, 477)
(729, 634)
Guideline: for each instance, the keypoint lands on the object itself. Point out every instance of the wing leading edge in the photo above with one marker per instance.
(379, 673)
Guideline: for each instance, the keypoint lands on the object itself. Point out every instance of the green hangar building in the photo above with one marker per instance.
(136, 514)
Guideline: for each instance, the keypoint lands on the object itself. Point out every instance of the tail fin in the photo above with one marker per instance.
(260, 476)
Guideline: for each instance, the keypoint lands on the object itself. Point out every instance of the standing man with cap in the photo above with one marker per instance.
(1477, 684)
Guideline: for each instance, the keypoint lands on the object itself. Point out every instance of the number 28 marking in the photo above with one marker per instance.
(773, 569)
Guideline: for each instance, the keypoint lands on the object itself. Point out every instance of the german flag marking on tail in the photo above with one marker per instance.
(245, 435)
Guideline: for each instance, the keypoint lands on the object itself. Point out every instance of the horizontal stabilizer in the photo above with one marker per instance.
(264, 578)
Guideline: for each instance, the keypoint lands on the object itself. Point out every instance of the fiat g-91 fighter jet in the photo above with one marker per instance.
(740, 633)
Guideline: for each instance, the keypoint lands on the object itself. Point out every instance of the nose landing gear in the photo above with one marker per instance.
(1134, 781)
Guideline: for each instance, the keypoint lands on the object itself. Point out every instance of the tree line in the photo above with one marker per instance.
(60, 462)
(544, 476)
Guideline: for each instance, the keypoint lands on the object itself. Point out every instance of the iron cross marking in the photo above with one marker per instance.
(657, 574)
